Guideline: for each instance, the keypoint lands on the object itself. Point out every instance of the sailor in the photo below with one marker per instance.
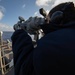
(55, 51)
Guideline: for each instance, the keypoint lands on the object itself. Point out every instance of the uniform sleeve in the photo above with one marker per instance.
(22, 49)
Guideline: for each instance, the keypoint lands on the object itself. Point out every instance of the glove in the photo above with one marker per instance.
(31, 25)
(16, 27)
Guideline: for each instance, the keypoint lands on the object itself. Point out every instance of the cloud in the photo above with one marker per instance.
(43, 2)
(2, 10)
(49, 4)
(23, 6)
(1, 15)
(38, 14)
(5, 27)
(56, 2)
(47, 11)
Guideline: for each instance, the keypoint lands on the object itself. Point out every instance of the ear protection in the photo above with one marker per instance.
(57, 17)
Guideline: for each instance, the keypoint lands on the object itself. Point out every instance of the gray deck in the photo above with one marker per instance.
(11, 72)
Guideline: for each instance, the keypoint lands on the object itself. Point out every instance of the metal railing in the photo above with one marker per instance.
(4, 65)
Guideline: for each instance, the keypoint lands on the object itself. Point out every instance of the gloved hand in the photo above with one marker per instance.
(31, 25)
(16, 27)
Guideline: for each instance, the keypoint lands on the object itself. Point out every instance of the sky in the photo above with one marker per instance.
(10, 10)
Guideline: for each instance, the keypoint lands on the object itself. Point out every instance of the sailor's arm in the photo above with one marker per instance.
(22, 48)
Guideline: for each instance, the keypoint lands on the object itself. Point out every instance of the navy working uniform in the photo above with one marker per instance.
(54, 52)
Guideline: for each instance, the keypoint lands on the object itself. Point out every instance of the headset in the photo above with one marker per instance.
(57, 17)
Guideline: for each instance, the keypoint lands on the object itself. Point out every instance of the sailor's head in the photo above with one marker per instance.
(63, 12)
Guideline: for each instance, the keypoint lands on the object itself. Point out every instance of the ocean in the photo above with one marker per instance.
(7, 35)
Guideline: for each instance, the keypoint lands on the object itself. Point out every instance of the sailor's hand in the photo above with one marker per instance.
(16, 27)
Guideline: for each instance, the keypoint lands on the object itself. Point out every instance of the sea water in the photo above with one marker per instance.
(7, 35)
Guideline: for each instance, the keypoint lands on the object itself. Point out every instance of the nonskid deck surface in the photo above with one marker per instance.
(10, 72)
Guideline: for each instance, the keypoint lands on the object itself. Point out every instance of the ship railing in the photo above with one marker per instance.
(4, 65)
